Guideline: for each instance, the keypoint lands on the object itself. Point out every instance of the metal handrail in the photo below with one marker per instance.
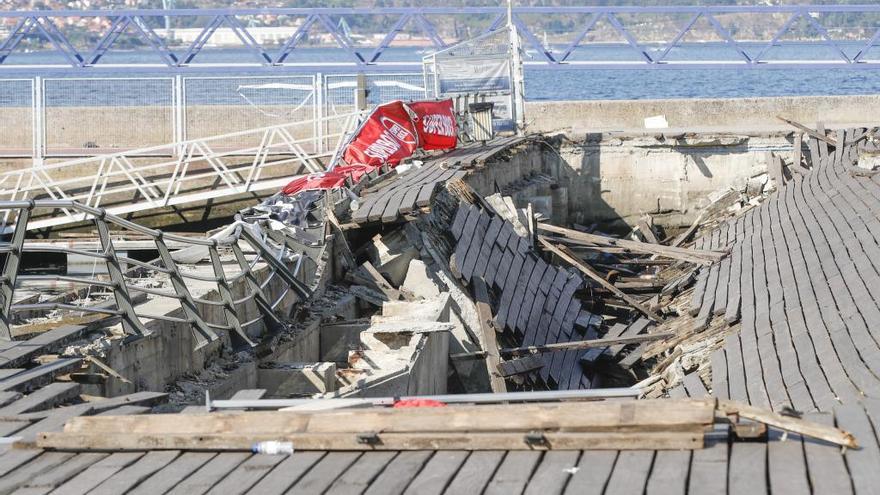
(122, 186)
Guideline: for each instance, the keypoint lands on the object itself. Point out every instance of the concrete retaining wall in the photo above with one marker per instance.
(741, 114)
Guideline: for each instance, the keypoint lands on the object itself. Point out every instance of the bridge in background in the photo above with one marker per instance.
(817, 25)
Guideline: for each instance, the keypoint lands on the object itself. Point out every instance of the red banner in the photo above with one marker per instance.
(435, 123)
(323, 181)
(388, 136)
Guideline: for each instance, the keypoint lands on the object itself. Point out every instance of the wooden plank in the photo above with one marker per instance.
(788, 423)
(553, 473)
(7, 428)
(694, 385)
(820, 134)
(709, 465)
(137, 472)
(593, 471)
(572, 345)
(399, 473)
(519, 292)
(514, 473)
(325, 472)
(570, 258)
(172, 474)
(12, 459)
(49, 396)
(825, 464)
(704, 257)
(719, 374)
(8, 372)
(127, 410)
(50, 479)
(7, 398)
(509, 288)
(247, 474)
(631, 472)
(862, 463)
(786, 466)
(774, 168)
(488, 337)
(98, 472)
(747, 471)
(684, 437)
(519, 366)
(476, 472)
(473, 253)
(54, 421)
(437, 473)
(209, 474)
(669, 475)
(572, 416)
(25, 473)
(358, 477)
(40, 375)
(44, 343)
(631, 335)
(487, 246)
(287, 473)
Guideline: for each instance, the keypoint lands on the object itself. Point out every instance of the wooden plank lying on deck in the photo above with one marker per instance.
(690, 438)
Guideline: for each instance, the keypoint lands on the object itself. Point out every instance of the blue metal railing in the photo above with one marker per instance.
(51, 29)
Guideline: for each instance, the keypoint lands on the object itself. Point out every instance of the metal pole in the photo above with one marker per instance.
(319, 110)
(486, 398)
(179, 112)
(360, 94)
(39, 122)
(516, 70)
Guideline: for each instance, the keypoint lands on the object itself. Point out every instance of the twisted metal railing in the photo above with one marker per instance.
(273, 248)
(255, 160)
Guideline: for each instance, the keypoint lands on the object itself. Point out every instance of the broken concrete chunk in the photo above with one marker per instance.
(436, 309)
(391, 254)
(419, 282)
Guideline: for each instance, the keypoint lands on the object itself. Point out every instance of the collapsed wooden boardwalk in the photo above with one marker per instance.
(803, 279)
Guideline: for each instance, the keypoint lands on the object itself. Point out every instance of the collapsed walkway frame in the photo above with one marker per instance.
(133, 322)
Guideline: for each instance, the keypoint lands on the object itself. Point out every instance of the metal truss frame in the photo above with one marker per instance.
(45, 24)
(280, 254)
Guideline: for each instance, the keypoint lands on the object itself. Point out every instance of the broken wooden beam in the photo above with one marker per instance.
(788, 423)
(570, 257)
(658, 424)
(811, 132)
(520, 365)
(487, 335)
(565, 346)
(704, 257)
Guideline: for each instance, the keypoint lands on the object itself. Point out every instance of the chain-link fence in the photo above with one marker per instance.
(55, 117)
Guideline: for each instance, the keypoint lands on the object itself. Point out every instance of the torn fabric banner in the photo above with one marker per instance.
(387, 136)
(435, 124)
